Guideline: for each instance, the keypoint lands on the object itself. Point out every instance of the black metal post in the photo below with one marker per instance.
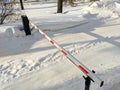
(21, 3)
(88, 81)
(59, 6)
(25, 21)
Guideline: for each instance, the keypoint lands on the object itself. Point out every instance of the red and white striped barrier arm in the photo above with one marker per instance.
(76, 62)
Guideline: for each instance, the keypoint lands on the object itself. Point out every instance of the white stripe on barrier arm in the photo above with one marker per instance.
(76, 62)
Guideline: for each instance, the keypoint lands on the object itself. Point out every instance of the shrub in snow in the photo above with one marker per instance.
(7, 10)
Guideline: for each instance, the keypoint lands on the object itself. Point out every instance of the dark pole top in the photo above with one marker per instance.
(21, 3)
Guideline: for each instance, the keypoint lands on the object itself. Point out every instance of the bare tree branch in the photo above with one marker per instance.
(7, 9)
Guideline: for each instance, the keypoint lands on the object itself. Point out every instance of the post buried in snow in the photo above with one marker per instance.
(25, 20)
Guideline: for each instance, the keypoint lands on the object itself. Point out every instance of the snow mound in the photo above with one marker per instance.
(5, 32)
(96, 4)
(11, 31)
(117, 9)
(109, 4)
(111, 7)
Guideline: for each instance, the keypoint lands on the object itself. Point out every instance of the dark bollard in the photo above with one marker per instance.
(26, 25)
(59, 6)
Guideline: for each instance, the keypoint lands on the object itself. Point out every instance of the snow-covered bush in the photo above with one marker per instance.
(7, 10)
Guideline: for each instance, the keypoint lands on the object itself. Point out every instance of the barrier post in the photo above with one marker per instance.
(25, 20)
(88, 81)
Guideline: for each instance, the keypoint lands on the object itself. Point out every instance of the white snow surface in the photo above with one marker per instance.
(90, 32)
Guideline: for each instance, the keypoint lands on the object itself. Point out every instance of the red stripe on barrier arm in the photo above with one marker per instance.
(83, 69)
(64, 52)
(52, 41)
(44, 34)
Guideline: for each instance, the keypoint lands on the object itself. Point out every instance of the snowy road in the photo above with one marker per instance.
(32, 63)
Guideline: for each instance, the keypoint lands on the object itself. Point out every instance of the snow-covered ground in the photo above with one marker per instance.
(89, 32)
